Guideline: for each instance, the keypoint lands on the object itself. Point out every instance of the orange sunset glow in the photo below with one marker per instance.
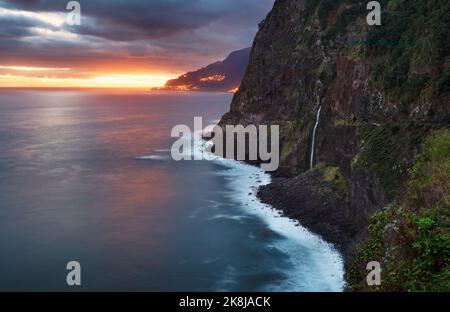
(22, 76)
(117, 48)
(39, 77)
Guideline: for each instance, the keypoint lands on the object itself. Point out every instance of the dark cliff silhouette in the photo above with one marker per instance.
(223, 76)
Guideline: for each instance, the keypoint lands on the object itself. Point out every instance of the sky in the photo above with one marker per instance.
(120, 43)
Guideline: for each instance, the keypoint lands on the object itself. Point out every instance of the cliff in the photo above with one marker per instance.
(223, 76)
(383, 96)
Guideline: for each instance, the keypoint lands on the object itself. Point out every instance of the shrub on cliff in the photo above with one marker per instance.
(411, 239)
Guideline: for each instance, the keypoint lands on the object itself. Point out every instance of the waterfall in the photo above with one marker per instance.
(313, 143)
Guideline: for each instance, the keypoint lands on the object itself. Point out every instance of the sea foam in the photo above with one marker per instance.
(316, 264)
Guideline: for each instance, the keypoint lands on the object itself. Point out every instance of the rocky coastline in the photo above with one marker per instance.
(364, 132)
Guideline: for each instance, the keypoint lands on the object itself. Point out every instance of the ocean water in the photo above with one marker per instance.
(88, 177)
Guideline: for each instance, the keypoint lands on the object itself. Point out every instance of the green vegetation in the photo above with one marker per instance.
(431, 172)
(292, 132)
(334, 176)
(387, 150)
(408, 54)
(324, 9)
(371, 250)
(326, 72)
(412, 238)
(348, 15)
(412, 48)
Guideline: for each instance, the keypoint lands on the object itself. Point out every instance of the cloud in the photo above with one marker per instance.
(154, 18)
(174, 34)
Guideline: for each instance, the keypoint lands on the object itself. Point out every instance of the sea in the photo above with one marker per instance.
(88, 176)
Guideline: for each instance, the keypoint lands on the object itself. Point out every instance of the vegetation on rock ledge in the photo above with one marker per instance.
(411, 239)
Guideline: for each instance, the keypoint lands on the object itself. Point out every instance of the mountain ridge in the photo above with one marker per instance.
(221, 76)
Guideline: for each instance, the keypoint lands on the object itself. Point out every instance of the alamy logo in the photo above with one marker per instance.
(374, 276)
(374, 17)
(74, 16)
(74, 276)
(237, 142)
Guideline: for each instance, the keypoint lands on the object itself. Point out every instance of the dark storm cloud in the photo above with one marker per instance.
(153, 18)
(147, 29)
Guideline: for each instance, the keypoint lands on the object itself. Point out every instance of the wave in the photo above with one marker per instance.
(315, 264)
(161, 154)
(153, 157)
(229, 217)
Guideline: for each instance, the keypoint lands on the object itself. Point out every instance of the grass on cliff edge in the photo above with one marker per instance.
(411, 239)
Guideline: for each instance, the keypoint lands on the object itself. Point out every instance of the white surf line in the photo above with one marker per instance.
(152, 157)
(325, 272)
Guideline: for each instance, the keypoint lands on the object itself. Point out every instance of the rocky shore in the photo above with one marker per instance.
(319, 200)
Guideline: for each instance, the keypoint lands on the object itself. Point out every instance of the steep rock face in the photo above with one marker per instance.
(382, 90)
(311, 53)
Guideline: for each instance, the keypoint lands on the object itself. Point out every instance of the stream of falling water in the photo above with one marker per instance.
(313, 143)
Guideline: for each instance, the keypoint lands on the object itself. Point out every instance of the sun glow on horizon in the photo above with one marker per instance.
(31, 68)
(47, 77)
